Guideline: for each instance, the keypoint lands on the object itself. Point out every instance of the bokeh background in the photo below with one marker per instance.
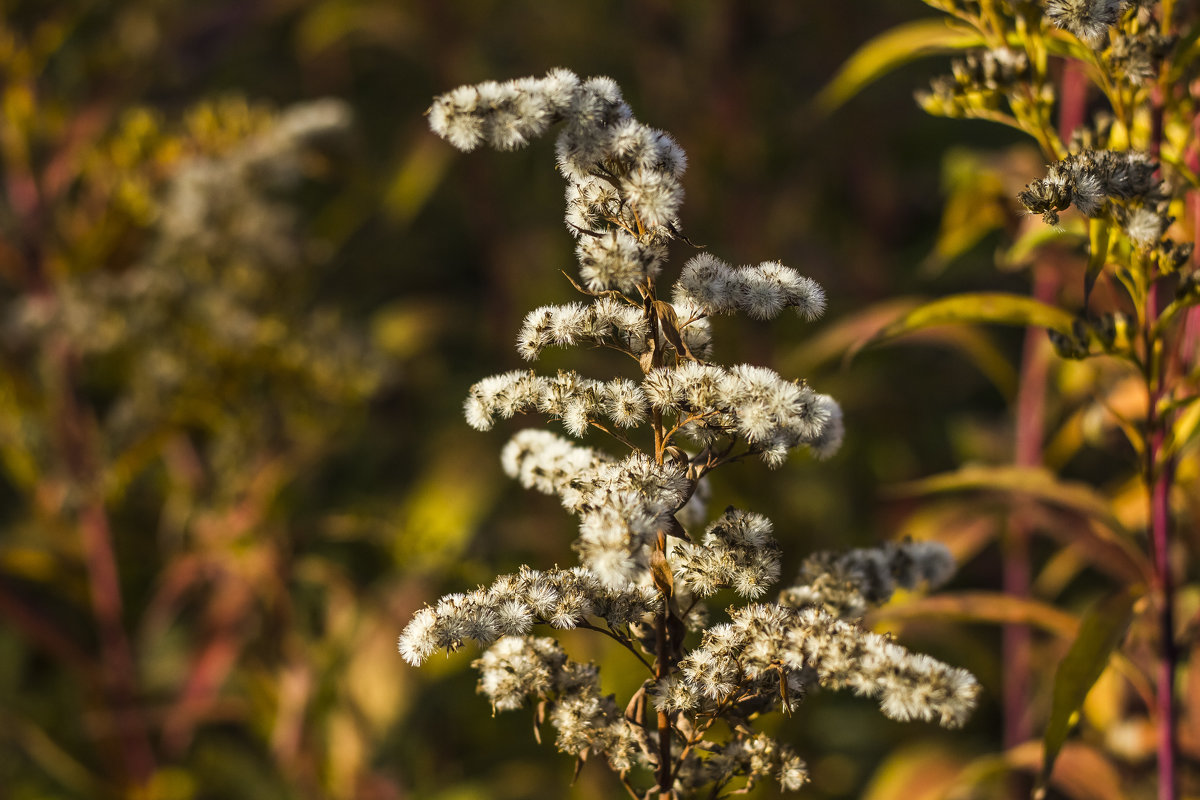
(259, 420)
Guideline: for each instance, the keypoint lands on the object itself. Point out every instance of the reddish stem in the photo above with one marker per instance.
(1016, 577)
(1072, 101)
(1159, 475)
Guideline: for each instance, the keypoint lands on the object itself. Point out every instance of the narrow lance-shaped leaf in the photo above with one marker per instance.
(1043, 486)
(1100, 634)
(889, 50)
(983, 607)
(984, 307)
(1034, 482)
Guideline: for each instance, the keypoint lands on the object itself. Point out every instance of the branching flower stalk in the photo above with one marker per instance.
(648, 560)
(1130, 172)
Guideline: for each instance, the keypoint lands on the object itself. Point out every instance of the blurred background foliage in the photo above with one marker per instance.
(237, 333)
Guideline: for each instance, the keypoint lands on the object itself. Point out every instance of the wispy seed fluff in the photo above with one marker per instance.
(617, 260)
(517, 669)
(575, 400)
(1089, 20)
(738, 551)
(849, 584)
(606, 321)
(755, 403)
(1091, 180)
(760, 291)
(761, 639)
(504, 116)
(513, 603)
(636, 509)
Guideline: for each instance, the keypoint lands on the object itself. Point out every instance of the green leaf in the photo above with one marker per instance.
(890, 50)
(1100, 634)
(983, 307)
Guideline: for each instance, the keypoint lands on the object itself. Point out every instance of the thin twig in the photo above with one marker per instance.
(624, 642)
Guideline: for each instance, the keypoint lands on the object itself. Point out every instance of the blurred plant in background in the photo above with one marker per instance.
(167, 380)
(1104, 460)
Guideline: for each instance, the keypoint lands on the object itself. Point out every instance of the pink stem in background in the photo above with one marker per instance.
(1072, 99)
(1160, 527)
(1029, 434)
(1017, 573)
(1159, 475)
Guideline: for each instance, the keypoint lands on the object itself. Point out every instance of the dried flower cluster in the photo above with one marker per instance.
(643, 567)
(1107, 91)
(1117, 184)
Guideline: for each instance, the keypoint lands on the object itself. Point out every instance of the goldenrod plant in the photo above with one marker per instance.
(649, 552)
(1106, 92)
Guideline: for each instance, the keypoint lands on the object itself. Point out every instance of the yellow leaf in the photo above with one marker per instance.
(1035, 482)
(890, 50)
(985, 607)
(914, 773)
(984, 307)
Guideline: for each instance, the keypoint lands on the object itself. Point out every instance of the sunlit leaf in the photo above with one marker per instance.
(914, 773)
(1185, 426)
(890, 50)
(1033, 482)
(985, 307)
(415, 179)
(1105, 703)
(1100, 633)
(844, 337)
(985, 607)
(1083, 773)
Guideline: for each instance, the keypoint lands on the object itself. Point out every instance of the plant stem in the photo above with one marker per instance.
(661, 670)
(1016, 577)
(1160, 521)
(1158, 478)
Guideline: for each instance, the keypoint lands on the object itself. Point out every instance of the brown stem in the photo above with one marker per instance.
(663, 774)
(662, 669)
(619, 639)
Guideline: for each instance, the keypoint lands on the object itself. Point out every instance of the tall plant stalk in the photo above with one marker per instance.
(648, 559)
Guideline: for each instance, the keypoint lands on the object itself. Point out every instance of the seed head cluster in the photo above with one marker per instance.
(979, 79)
(850, 584)
(713, 287)
(513, 603)
(644, 567)
(1089, 20)
(517, 669)
(1118, 184)
(811, 646)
